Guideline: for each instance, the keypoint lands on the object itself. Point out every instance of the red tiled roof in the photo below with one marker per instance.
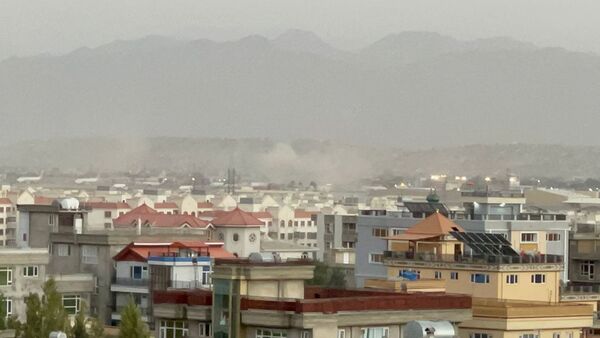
(436, 224)
(262, 214)
(165, 205)
(106, 205)
(205, 205)
(5, 201)
(141, 251)
(159, 220)
(43, 200)
(237, 218)
(300, 213)
(142, 209)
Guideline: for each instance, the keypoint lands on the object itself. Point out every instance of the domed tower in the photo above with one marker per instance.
(433, 197)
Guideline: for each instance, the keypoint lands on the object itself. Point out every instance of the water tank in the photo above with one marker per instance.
(69, 204)
(426, 328)
(57, 334)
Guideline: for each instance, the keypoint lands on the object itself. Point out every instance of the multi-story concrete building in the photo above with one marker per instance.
(269, 299)
(515, 295)
(8, 222)
(81, 259)
(22, 271)
(337, 237)
(528, 232)
(184, 264)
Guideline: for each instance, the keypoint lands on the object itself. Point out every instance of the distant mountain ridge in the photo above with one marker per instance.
(413, 89)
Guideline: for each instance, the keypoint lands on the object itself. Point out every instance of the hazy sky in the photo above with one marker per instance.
(57, 26)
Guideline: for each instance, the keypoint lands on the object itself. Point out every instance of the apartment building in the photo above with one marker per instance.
(100, 214)
(181, 264)
(337, 238)
(514, 294)
(294, 225)
(269, 299)
(8, 222)
(22, 271)
(81, 259)
(489, 212)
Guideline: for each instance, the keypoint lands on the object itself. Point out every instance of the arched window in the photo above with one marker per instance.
(236, 237)
(282, 223)
(290, 223)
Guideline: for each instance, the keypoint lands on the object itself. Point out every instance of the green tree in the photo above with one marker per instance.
(45, 314)
(2, 312)
(320, 274)
(131, 325)
(96, 329)
(337, 278)
(79, 326)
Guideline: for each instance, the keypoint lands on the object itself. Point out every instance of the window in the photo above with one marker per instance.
(396, 231)
(348, 245)
(454, 275)
(556, 335)
(409, 272)
(107, 214)
(512, 279)
(89, 254)
(376, 258)
(375, 332)
(30, 271)
(206, 280)
(301, 223)
(290, 223)
(538, 278)
(586, 269)
(107, 225)
(341, 333)
(1, 220)
(305, 334)
(480, 278)
(50, 219)
(528, 335)
(437, 275)
(7, 306)
(290, 236)
(205, 329)
(236, 237)
(553, 237)
(71, 303)
(281, 236)
(270, 333)
(282, 223)
(62, 250)
(480, 335)
(380, 232)
(528, 237)
(5, 276)
(139, 272)
(311, 235)
(349, 227)
(173, 329)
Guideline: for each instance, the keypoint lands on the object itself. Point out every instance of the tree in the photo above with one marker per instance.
(2, 312)
(45, 314)
(131, 325)
(337, 278)
(79, 326)
(320, 274)
(96, 329)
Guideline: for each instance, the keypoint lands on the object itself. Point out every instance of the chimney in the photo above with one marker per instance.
(139, 227)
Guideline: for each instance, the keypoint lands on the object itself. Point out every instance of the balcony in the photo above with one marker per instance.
(130, 285)
(390, 256)
(503, 194)
(145, 312)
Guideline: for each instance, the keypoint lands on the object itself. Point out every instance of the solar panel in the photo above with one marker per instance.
(485, 243)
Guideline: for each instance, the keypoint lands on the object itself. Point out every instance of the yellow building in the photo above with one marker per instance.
(514, 295)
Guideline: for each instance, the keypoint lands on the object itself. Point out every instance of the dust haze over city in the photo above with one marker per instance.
(299, 169)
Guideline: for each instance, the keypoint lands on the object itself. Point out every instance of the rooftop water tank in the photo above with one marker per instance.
(69, 203)
(426, 328)
(262, 257)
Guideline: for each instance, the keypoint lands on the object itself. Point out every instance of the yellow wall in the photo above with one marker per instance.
(497, 288)
(564, 333)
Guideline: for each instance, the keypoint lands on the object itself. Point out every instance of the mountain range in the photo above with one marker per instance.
(410, 90)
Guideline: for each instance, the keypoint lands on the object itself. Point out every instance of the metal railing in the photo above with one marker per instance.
(472, 259)
(131, 281)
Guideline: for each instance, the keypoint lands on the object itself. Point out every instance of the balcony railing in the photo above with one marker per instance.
(472, 259)
(493, 217)
(506, 194)
(131, 282)
(144, 311)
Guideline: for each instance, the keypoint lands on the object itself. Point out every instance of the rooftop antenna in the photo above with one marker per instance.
(230, 185)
